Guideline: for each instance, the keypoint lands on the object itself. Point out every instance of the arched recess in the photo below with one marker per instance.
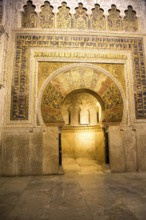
(81, 76)
(83, 105)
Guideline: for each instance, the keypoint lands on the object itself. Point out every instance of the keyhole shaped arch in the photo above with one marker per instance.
(80, 65)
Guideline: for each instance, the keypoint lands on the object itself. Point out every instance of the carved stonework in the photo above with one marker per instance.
(81, 17)
(113, 103)
(97, 18)
(1, 10)
(80, 108)
(46, 16)
(29, 16)
(139, 5)
(114, 19)
(19, 93)
(64, 17)
(130, 22)
(81, 78)
(51, 105)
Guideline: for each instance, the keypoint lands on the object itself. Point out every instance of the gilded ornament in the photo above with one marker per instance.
(51, 105)
(46, 16)
(114, 19)
(80, 17)
(29, 16)
(113, 104)
(64, 17)
(20, 84)
(97, 18)
(130, 22)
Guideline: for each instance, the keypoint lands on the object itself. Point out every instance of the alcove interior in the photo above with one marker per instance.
(82, 134)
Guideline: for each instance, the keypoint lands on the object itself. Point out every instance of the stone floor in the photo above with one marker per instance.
(83, 166)
(74, 196)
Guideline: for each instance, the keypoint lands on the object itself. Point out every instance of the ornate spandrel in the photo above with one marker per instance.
(51, 105)
(114, 19)
(64, 17)
(97, 18)
(29, 16)
(80, 17)
(130, 22)
(46, 16)
(113, 103)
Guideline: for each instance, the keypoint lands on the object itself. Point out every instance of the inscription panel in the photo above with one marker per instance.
(20, 96)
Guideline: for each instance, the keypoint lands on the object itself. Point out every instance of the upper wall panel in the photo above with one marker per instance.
(113, 15)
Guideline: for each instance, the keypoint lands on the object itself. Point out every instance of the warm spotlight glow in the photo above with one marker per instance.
(99, 110)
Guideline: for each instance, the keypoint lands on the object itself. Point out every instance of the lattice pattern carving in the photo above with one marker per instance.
(97, 18)
(114, 19)
(81, 17)
(80, 20)
(130, 20)
(64, 17)
(29, 16)
(46, 16)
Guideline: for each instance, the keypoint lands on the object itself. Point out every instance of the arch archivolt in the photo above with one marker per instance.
(100, 71)
(94, 60)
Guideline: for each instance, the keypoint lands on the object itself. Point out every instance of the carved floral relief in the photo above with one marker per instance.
(46, 16)
(130, 22)
(114, 19)
(80, 17)
(29, 16)
(64, 17)
(97, 18)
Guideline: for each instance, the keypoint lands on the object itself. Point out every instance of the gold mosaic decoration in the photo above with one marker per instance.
(29, 16)
(130, 21)
(64, 17)
(46, 68)
(113, 103)
(24, 41)
(46, 16)
(117, 70)
(82, 78)
(97, 18)
(51, 105)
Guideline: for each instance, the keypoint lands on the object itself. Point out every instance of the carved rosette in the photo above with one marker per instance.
(80, 17)
(114, 19)
(29, 16)
(97, 18)
(130, 22)
(64, 17)
(46, 16)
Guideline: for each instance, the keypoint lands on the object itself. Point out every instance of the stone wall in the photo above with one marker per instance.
(27, 146)
(29, 151)
(83, 142)
(127, 149)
